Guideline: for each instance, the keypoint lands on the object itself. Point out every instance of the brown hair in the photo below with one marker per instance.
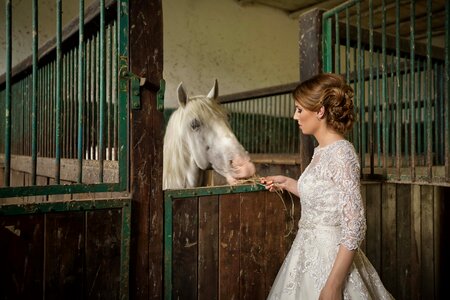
(334, 94)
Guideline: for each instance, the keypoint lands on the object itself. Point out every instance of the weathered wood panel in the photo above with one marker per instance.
(21, 256)
(253, 232)
(185, 243)
(229, 247)
(208, 236)
(61, 255)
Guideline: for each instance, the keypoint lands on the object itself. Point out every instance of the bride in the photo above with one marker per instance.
(325, 261)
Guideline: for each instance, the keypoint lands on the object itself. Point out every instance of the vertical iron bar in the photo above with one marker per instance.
(58, 92)
(398, 105)
(428, 92)
(337, 45)
(123, 96)
(447, 81)
(359, 55)
(370, 111)
(102, 99)
(8, 93)
(80, 89)
(419, 109)
(34, 97)
(405, 115)
(347, 46)
(378, 113)
(326, 46)
(413, 99)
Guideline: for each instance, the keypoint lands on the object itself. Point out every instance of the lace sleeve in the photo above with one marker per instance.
(353, 219)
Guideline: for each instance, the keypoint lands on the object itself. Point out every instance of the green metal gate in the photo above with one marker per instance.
(65, 115)
(401, 85)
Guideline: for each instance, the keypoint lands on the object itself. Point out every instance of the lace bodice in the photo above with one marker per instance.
(330, 194)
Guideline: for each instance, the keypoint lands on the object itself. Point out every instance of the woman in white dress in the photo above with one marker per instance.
(325, 261)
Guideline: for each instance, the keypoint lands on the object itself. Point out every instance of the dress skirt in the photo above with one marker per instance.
(310, 260)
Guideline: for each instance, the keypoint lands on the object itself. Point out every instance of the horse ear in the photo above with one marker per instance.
(214, 93)
(182, 95)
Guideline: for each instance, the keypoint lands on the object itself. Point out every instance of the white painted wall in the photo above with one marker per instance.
(245, 48)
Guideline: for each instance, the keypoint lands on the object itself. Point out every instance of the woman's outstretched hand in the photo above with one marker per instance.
(279, 183)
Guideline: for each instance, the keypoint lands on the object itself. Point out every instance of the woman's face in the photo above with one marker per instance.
(307, 120)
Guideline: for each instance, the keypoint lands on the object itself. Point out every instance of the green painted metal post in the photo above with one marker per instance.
(123, 91)
(58, 91)
(34, 97)
(447, 80)
(8, 93)
(428, 92)
(371, 92)
(81, 89)
(101, 146)
(398, 94)
(412, 87)
(337, 46)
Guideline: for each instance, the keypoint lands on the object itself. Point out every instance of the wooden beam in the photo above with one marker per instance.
(146, 145)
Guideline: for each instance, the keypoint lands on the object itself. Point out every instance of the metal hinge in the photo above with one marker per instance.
(136, 83)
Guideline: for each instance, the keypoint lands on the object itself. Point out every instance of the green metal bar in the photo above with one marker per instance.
(337, 46)
(101, 138)
(378, 113)
(447, 81)
(125, 251)
(122, 10)
(428, 92)
(398, 106)
(34, 97)
(36, 190)
(413, 99)
(81, 89)
(58, 91)
(63, 206)
(326, 45)
(168, 246)
(8, 70)
(419, 108)
(360, 69)
(370, 118)
(339, 8)
(405, 115)
(347, 45)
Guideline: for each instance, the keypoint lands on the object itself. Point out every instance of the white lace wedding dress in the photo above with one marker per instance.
(332, 214)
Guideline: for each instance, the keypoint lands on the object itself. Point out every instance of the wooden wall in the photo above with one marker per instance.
(61, 255)
(407, 238)
(231, 246)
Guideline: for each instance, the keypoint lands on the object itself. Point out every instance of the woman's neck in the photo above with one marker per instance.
(326, 137)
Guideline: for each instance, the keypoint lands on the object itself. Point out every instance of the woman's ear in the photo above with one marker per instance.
(321, 112)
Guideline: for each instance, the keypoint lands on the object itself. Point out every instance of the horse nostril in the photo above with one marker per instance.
(207, 148)
(231, 162)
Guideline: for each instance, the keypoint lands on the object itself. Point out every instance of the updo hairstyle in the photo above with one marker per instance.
(334, 94)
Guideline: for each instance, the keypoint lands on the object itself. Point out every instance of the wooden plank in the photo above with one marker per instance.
(427, 250)
(389, 238)
(404, 241)
(103, 241)
(146, 151)
(443, 259)
(437, 234)
(229, 246)
(63, 263)
(278, 225)
(208, 248)
(252, 262)
(373, 234)
(185, 252)
(416, 242)
(21, 253)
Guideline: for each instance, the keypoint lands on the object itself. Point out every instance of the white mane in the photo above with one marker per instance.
(177, 157)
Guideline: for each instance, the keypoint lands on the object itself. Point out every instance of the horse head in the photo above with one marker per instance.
(198, 136)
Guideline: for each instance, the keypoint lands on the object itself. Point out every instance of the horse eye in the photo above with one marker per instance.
(195, 124)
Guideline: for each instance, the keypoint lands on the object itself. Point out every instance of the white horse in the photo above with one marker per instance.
(198, 136)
